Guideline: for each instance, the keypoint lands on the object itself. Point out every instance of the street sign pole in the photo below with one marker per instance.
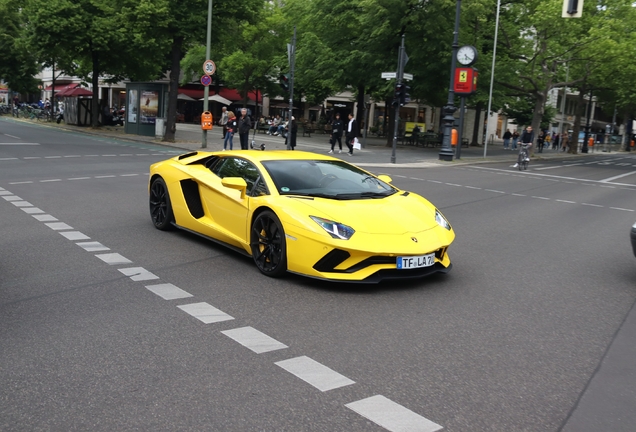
(400, 72)
(206, 89)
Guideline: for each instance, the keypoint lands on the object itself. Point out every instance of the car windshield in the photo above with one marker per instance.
(325, 179)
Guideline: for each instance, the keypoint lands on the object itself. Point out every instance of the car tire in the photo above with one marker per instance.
(269, 248)
(160, 207)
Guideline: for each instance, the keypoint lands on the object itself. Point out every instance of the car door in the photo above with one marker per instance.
(226, 206)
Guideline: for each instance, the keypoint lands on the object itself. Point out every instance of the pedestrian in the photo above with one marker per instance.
(527, 138)
(292, 131)
(337, 127)
(352, 133)
(555, 141)
(244, 126)
(565, 141)
(515, 138)
(540, 141)
(229, 127)
(273, 128)
(506, 139)
(223, 120)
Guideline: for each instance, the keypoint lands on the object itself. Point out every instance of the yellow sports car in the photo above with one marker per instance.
(302, 212)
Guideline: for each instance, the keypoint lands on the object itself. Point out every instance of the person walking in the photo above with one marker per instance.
(527, 138)
(555, 141)
(337, 127)
(292, 131)
(515, 138)
(223, 120)
(244, 126)
(506, 139)
(541, 141)
(352, 133)
(229, 127)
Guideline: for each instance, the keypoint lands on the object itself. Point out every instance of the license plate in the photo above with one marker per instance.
(415, 261)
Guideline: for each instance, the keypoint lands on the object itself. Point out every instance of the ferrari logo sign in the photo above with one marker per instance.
(463, 76)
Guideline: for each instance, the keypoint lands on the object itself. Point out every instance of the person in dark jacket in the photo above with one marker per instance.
(337, 127)
(506, 139)
(352, 132)
(244, 126)
(292, 132)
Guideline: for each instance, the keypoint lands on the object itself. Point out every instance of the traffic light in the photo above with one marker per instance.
(405, 97)
(283, 79)
(397, 95)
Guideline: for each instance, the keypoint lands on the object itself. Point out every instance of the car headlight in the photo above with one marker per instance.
(441, 220)
(335, 229)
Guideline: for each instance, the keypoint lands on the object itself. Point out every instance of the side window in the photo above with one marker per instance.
(236, 167)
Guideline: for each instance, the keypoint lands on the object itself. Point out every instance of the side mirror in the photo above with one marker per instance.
(236, 183)
(385, 178)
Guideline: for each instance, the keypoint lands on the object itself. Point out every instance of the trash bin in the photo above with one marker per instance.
(160, 127)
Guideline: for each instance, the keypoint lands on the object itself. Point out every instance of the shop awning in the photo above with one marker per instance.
(229, 94)
(60, 87)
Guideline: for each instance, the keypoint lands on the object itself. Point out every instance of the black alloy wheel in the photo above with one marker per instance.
(160, 208)
(269, 249)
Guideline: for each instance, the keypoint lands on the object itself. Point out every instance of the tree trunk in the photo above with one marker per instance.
(628, 131)
(95, 82)
(537, 116)
(389, 125)
(478, 124)
(173, 90)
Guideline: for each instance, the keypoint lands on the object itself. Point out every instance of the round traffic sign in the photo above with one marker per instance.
(209, 67)
(206, 80)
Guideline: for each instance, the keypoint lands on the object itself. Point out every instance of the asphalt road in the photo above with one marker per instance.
(509, 340)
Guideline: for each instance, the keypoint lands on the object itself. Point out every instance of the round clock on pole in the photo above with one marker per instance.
(467, 55)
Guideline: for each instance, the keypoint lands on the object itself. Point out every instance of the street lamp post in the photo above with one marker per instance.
(492, 78)
(584, 148)
(446, 153)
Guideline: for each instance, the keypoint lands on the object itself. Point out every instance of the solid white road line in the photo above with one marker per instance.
(113, 258)
(137, 273)
(168, 291)
(26, 144)
(74, 235)
(392, 416)
(253, 339)
(205, 312)
(92, 246)
(609, 179)
(314, 373)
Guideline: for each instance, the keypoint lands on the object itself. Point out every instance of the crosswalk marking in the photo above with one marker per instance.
(392, 416)
(314, 373)
(113, 258)
(92, 246)
(254, 340)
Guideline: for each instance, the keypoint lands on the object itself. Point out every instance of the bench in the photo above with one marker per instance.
(262, 128)
(308, 130)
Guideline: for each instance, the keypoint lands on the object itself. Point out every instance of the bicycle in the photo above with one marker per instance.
(524, 157)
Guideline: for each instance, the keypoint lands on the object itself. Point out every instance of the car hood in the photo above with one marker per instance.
(396, 214)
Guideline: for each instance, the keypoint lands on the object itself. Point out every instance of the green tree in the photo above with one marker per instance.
(18, 65)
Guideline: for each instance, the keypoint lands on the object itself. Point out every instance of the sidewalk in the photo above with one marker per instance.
(375, 152)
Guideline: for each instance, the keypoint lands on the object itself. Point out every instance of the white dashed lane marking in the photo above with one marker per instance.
(92, 246)
(254, 340)
(378, 409)
(168, 291)
(137, 273)
(113, 258)
(392, 416)
(75, 235)
(205, 312)
(314, 373)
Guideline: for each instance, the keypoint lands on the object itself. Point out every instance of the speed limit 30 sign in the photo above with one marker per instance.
(209, 67)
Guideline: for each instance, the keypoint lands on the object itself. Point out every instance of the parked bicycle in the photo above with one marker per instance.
(523, 159)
